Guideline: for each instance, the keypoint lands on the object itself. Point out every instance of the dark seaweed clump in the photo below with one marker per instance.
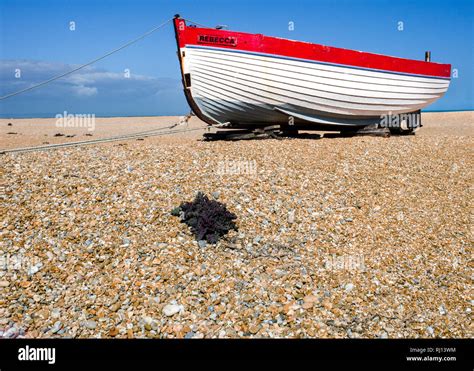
(208, 219)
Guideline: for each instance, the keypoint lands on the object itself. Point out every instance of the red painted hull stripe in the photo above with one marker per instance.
(257, 43)
(315, 62)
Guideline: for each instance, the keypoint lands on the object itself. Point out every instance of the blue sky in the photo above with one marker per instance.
(35, 37)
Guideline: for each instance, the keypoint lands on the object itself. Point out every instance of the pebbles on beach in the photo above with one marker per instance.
(171, 309)
(90, 249)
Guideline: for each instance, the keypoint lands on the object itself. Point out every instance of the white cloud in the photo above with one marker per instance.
(87, 82)
(85, 91)
(90, 89)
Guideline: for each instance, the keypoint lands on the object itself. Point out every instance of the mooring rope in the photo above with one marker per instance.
(197, 24)
(88, 63)
(149, 133)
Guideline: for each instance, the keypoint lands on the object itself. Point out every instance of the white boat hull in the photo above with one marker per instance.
(245, 87)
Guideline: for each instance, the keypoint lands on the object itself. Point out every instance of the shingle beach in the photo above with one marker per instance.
(359, 237)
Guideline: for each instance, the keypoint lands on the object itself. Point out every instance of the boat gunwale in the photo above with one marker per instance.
(314, 61)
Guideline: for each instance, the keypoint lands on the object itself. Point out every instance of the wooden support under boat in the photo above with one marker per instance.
(279, 132)
(271, 131)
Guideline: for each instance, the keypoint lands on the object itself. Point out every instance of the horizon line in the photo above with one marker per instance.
(51, 115)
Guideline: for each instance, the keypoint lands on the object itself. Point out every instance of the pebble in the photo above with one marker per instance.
(55, 313)
(257, 240)
(113, 332)
(57, 326)
(310, 299)
(115, 307)
(291, 217)
(90, 324)
(254, 329)
(348, 287)
(34, 269)
(11, 332)
(280, 272)
(171, 309)
(4, 283)
(147, 320)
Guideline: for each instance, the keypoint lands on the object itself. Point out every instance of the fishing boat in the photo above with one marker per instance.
(241, 80)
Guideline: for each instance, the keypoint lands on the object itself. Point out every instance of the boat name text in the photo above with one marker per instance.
(220, 40)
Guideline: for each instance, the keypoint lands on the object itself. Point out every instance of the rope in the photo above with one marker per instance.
(151, 133)
(197, 24)
(88, 63)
